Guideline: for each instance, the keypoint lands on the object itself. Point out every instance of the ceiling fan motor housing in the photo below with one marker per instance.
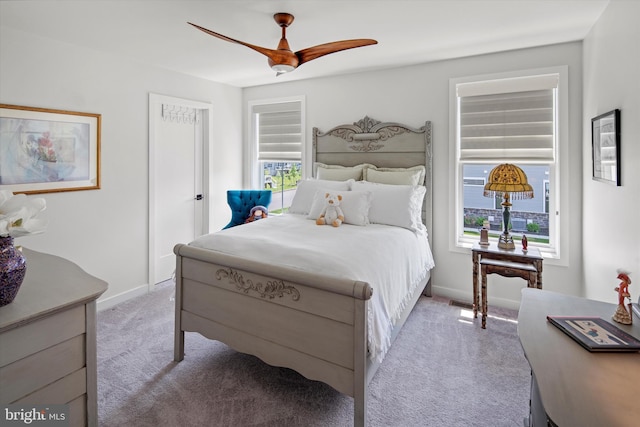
(283, 60)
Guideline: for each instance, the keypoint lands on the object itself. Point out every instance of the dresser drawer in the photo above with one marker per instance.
(59, 392)
(20, 342)
(38, 370)
(78, 413)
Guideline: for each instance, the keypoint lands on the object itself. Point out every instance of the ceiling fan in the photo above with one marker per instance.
(283, 59)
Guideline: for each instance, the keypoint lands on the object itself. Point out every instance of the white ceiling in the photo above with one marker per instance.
(408, 31)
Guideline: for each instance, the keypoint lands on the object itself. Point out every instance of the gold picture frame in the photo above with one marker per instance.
(44, 150)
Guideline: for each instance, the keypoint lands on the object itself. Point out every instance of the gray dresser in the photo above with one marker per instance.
(48, 339)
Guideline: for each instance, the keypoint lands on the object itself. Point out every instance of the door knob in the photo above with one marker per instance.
(198, 197)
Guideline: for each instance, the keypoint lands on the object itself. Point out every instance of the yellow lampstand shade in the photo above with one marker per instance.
(508, 179)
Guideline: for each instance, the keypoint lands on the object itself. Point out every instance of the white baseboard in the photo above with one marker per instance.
(467, 296)
(104, 304)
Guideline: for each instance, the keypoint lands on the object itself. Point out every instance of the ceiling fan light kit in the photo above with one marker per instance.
(283, 59)
(282, 68)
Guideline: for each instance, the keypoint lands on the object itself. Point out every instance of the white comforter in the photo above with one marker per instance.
(392, 260)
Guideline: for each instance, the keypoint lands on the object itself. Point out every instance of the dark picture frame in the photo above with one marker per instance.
(605, 144)
(44, 150)
(596, 334)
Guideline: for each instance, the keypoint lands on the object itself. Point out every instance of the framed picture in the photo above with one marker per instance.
(595, 334)
(44, 150)
(605, 141)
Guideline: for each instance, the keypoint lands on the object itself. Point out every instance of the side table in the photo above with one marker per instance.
(508, 263)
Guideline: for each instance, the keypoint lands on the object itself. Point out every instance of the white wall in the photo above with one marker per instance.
(415, 94)
(106, 231)
(610, 214)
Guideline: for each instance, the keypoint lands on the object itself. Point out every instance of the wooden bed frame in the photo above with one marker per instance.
(314, 324)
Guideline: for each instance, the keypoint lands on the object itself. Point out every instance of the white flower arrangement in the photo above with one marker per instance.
(18, 214)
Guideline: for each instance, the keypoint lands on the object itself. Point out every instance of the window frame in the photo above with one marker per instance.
(253, 171)
(559, 191)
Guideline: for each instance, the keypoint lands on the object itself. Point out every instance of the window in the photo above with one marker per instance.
(527, 216)
(277, 148)
(508, 118)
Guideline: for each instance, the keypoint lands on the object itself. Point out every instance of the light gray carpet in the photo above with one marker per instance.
(443, 370)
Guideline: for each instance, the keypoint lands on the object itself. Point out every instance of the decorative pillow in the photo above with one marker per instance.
(398, 205)
(355, 205)
(398, 176)
(303, 199)
(339, 173)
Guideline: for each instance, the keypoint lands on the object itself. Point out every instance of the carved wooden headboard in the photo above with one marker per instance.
(384, 144)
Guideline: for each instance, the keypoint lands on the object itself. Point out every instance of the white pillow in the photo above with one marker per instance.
(354, 204)
(399, 176)
(339, 173)
(398, 205)
(303, 199)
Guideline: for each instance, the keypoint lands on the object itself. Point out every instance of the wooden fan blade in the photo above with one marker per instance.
(270, 53)
(308, 54)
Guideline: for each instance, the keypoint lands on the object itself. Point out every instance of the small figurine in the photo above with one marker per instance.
(622, 315)
(256, 213)
(484, 237)
(525, 243)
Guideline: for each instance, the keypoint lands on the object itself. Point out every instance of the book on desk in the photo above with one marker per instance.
(596, 334)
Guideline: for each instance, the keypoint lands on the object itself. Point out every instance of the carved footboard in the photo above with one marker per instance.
(308, 322)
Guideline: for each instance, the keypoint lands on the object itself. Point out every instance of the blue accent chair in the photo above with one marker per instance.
(241, 202)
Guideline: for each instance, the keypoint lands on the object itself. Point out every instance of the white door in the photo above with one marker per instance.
(177, 193)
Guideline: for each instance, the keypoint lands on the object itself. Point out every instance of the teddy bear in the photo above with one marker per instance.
(331, 212)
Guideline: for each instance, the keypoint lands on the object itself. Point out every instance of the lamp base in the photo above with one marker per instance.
(506, 241)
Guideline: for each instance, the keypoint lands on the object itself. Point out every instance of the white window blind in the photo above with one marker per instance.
(279, 128)
(508, 119)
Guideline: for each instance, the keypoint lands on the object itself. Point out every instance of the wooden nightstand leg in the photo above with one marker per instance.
(484, 296)
(532, 282)
(476, 300)
(539, 268)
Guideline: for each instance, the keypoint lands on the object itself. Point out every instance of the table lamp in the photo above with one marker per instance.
(508, 181)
